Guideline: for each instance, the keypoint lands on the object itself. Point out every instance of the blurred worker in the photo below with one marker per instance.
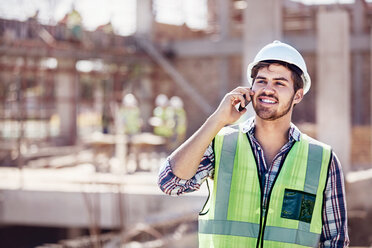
(130, 114)
(73, 21)
(162, 119)
(107, 118)
(179, 117)
(273, 185)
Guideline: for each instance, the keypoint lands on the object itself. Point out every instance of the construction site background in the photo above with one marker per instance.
(72, 175)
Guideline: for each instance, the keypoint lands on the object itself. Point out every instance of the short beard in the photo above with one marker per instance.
(267, 115)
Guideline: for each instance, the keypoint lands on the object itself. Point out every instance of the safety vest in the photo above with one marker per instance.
(165, 129)
(180, 121)
(234, 215)
(132, 120)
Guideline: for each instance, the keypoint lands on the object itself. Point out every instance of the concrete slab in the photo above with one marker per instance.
(79, 198)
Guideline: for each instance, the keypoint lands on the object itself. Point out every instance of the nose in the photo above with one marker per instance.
(269, 89)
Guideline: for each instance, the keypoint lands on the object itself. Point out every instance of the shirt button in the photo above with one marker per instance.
(258, 148)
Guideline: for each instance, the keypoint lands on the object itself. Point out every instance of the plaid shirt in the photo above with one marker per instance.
(334, 231)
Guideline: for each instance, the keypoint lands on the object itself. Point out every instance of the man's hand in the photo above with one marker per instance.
(185, 160)
(226, 112)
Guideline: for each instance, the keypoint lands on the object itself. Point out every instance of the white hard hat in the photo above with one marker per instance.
(176, 102)
(129, 100)
(282, 52)
(161, 100)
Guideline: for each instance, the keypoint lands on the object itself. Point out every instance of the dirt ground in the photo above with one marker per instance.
(360, 228)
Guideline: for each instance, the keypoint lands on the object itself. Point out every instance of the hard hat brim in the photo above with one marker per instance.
(305, 77)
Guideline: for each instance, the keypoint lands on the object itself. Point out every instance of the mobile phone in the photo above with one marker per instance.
(240, 106)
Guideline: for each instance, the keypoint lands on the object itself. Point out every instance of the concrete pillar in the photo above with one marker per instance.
(98, 98)
(224, 18)
(358, 82)
(144, 18)
(223, 62)
(359, 18)
(223, 75)
(333, 83)
(358, 22)
(370, 95)
(262, 25)
(66, 95)
(146, 105)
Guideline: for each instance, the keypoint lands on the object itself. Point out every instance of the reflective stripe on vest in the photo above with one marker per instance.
(308, 162)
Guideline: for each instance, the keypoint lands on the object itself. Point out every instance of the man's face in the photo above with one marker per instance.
(274, 92)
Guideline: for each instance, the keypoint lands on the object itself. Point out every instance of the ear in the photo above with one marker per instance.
(298, 96)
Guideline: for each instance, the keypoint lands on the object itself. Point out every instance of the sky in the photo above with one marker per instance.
(94, 12)
(121, 13)
(324, 1)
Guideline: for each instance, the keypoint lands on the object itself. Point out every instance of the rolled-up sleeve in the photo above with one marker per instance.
(173, 185)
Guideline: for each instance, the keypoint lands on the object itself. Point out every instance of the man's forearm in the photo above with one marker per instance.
(186, 159)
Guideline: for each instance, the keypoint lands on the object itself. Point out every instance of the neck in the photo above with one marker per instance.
(269, 132)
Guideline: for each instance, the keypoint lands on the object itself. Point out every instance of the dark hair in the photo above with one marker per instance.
(296, 72)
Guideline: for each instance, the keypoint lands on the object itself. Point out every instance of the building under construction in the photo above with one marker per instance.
(64, 182)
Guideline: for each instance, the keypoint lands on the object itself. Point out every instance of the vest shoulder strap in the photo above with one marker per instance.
(225, 146)
(319, 155)
(315, 142)
(226, 139)
(228, 130)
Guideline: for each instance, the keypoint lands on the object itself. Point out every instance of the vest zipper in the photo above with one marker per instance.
(269, 196)
(264, 214)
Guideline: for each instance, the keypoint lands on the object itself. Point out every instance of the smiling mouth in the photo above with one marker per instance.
(267, 100)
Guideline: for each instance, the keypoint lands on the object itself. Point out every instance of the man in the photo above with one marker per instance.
(130, 115)
(273, 185)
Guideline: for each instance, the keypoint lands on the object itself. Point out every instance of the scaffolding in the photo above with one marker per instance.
(38, 63)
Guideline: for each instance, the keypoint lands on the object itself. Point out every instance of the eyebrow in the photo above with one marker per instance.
(276, 79)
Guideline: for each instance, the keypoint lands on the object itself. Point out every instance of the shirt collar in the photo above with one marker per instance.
(249, 125)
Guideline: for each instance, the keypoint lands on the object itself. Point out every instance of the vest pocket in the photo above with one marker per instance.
(298, 205)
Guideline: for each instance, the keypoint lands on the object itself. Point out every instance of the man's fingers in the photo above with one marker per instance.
(249, 95)
(248, 92)
(236, 98)
(241, 95)
(242, 90)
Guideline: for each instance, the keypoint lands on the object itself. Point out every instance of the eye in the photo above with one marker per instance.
(261, 81)
(280, 83)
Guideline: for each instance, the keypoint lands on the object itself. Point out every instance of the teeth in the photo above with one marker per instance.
(267, 101)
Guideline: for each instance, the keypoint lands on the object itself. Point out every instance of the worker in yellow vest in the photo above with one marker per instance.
(73, 22)
(162, 120)
(179, 118)
(130, 115)
(273, 186)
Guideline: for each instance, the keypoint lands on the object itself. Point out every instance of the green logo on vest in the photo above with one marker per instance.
(298, 205)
